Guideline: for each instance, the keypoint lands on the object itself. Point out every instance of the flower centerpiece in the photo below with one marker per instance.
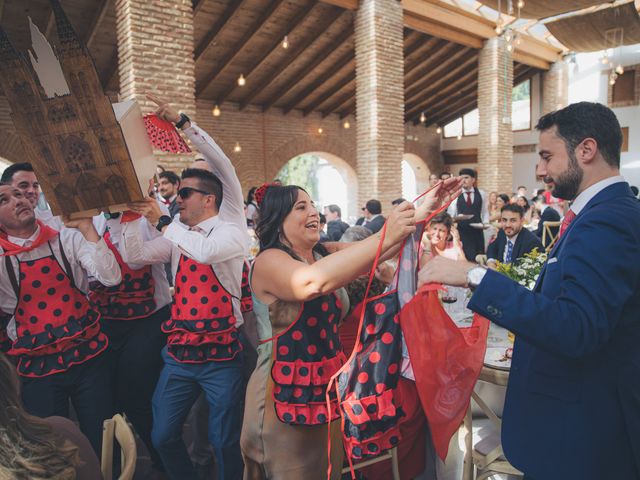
(526, 269)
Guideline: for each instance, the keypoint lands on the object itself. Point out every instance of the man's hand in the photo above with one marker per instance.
(442, 193)
(445, 270)
(165, 111)
(400, 223)
(85, 225)
(148, 208)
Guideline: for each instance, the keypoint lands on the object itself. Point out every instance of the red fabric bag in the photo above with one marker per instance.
(164, 136)
(446, 361)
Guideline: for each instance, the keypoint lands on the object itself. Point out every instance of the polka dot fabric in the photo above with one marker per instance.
(132, 299)
(55, 324)
(246, 300)
(202, 325)
(366, 386)
(164, 136)
(306, 356)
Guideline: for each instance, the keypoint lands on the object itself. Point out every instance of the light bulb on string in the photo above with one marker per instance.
(439, 130)
(237, 148)
(459, 137)
(216, 111)
(320, 130)
(285, 42)
(620, 69)
(605, 59)
(423, 117)
(241, 81)
(509, 47)
(508, 35)
(346, 124)
(520, 3)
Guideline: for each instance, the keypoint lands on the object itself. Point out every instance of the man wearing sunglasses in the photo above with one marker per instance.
(206, 243)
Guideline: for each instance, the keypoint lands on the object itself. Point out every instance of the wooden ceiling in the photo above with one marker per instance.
(316, 73)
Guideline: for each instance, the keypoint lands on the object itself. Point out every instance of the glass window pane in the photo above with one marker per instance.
(471, 122)
(453, 129)
(521, 106)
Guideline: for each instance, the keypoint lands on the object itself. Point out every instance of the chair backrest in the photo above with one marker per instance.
(547, 232)
(118, 428)
(389, 455)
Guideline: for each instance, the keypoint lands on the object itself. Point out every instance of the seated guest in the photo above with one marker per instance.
(496, 213)
(323, 223)
(372, 218)
(443, 238)
(546, 215)
(513, 241)
(335, 226)
(38, 448)
(526, 208)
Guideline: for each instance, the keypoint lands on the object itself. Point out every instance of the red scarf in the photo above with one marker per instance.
(46, 234)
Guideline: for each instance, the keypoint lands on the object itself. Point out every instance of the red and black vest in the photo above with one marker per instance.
(306, 355)
(367, 383)
(246, 300)
(202, 326)
(132, 299)
(56, 326)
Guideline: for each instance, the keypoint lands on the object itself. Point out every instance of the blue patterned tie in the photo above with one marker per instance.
(507, 259)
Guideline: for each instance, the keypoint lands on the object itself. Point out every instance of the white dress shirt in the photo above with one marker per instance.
(585, 196)
(46, 216)
(221, 241)
(85, 259)
(484, 215)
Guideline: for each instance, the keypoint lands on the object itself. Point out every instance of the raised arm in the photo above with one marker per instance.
(138, 251)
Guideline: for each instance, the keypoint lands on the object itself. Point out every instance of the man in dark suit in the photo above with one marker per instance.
(372, 218)
(335, 226)
(547, 214)
(513, 241)
(573, 401)
(168, 186)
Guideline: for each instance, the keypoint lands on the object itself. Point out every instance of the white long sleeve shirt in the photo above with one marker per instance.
(221, 241)
(453, 208)
(85, 259)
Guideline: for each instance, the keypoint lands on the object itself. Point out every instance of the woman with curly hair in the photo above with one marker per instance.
(33, 448)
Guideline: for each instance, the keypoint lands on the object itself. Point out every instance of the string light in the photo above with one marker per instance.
(613, 76)
(241, 81)
(423, 117)
(439, 130)
(237, 148)
(620, 69)
(346, 124)
(520, 3)
(320, 130)
(285, 42)
(459, 137)
(216, 111)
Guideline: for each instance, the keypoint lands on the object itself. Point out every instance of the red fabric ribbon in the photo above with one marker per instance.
(46, 234)
(164, 136)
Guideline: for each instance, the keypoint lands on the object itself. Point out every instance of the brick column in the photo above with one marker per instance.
(495, 138)
(555, 87)
(155, 52)
(379, 100)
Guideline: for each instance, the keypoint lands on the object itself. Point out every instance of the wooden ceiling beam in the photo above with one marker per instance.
(461, 106)
(428, 101)
(298, 49)
(349, 110)
(210, 37)
(351, 77)
(433, 44)
(112, 70)
(197, 7)
(339, 102)
(300, 17)
(413, 41)
(338, 65)
(310, 66)
(460, 112)
(528, 59)
(347, 4)
(425, 25)
(442, 57)
(95, 23)
(443, 73)
(238, 49)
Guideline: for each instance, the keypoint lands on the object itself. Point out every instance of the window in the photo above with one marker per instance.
(521, 106)
(471, 122)
(453, 129)
(624, 89)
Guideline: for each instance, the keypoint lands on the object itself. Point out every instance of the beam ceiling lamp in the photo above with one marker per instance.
(544, 8)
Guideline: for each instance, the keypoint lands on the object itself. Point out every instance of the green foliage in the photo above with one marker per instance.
(522, 91)
(301, 171)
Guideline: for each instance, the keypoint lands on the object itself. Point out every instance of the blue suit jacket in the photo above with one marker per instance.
(573, 402)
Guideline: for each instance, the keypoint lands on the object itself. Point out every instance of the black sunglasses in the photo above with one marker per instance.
(185, 192)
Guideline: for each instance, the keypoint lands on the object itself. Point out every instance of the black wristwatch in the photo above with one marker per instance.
(163, 221)
(183, 119)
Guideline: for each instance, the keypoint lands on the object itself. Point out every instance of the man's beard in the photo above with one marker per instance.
(567, 184)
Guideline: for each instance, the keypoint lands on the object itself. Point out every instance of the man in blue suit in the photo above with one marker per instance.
(513, 240)
(573, 402)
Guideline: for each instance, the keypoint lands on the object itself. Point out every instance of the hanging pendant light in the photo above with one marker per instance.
(241, 81)
(216, 111)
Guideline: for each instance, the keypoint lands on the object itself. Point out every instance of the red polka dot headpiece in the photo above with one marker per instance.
(261, 191)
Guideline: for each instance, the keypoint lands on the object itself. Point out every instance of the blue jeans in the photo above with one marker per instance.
(178, 388)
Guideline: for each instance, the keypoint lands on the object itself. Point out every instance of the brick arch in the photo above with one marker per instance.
(11, 147)
(420, 170)
(279, 156)
(429, 154)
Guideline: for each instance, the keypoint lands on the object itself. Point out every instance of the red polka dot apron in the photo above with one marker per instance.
(246, 300)
(306, 355)
(56, 326)
(202, 324)
(132, 299)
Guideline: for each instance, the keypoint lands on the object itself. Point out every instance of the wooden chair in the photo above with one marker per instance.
(119, 429)
(486, 455)
(389, 455)
(548, 234)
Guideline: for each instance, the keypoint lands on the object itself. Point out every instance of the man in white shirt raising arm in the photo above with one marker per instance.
(203, 347)
(55, 332)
